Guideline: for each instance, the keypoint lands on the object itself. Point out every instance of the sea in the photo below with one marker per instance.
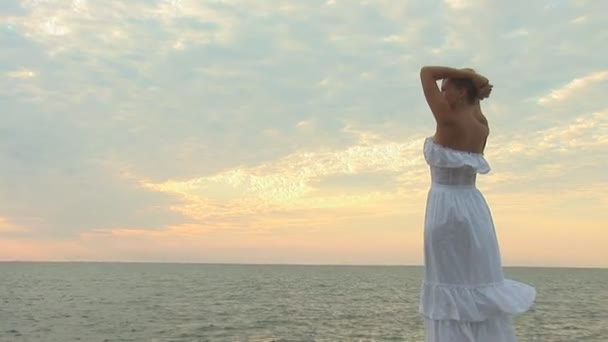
(82, 301)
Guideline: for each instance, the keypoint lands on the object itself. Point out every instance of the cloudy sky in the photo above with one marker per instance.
(284, 131)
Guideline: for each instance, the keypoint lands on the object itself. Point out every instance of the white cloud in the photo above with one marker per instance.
(586, 132)
(288, 183)
(459, 4)
(394, 38)
(8, 227)
(308, 124)
(521, 32)
(579, 20)
(21, 73)
(575, 86)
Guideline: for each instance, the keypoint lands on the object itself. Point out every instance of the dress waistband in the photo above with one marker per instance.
(435, 185)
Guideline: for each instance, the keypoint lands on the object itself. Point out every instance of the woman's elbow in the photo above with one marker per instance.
(423, 72)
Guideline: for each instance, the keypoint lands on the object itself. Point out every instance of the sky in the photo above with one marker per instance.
(291, 132)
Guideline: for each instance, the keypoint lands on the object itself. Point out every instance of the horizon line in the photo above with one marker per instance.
(269, 264)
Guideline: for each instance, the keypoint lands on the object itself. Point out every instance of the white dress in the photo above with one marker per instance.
(465, 296)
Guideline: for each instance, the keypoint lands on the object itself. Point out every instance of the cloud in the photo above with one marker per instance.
(573, 87)
(298, 181)
(586, 132)
(517, 33)
(8, 227)
(579, 20)
(559, 156)
(459, 4)
(302, 180)
(143, 120)
(23, 73)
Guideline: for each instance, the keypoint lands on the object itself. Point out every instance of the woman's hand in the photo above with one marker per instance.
(484, 91)
(484, 88)
(479, 81)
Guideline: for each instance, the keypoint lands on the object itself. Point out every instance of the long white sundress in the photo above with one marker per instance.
(465, 296)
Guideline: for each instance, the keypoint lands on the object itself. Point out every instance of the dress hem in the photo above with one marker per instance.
(475, 303)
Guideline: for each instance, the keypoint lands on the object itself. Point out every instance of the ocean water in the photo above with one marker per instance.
(66, 302)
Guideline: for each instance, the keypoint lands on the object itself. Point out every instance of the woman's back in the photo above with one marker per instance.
(469, 132)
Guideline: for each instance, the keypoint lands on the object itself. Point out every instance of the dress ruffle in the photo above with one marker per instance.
(475, 303)
(442, 156)
(496, 329)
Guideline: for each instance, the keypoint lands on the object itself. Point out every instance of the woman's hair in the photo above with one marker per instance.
(468, 85)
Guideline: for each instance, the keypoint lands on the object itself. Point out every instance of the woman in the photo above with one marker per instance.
(465, 296)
